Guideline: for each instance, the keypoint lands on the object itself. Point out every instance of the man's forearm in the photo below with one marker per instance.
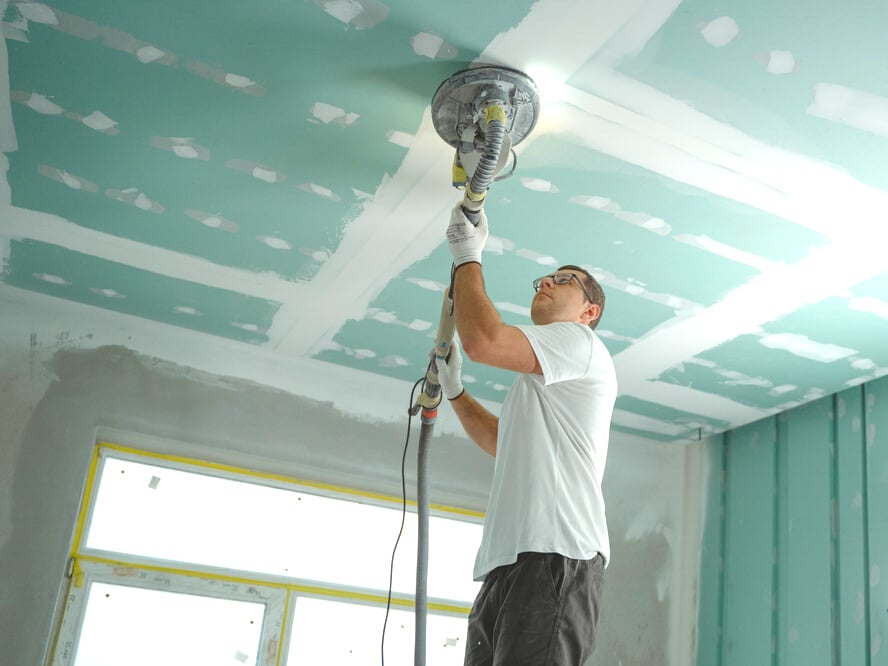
(480, 425)
(475, 315)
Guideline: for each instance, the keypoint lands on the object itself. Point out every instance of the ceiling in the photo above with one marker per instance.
(267, 172)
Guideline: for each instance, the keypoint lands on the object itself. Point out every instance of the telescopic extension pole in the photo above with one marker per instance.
(430, 398)
(487, 107)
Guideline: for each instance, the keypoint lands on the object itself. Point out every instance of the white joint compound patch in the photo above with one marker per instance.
(539, 185)
(393, 361)
(639, 219)
(181, 147)
(360, 14)
(134, 197)
(591, 201)
(319, 256)
(725, 251)
(42, 104)
(67, 179)
(432, 46)
(720, 32)
(542, 259)
(258, 171)
(400, 138)
(801, 345)
(268, 175)
(276, 243)
(38, 13)
(863, 364)
(499, 245)
(320, 191)
(327, 113)
(430, 285)
(382, 316)
(781, 62)
(235, 82)
(150, 53)
(16, 29)
(847, 106)
(386, 317)
(52, 279)
(100, 122)
(250, 328)
(238, 81)
(107, 293)
(212, 220)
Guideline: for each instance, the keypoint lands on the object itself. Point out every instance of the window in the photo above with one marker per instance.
(179, 561)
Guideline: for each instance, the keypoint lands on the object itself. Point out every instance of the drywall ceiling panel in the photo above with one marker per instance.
(268, 172)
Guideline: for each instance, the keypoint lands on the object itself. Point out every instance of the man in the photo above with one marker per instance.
(545, 544)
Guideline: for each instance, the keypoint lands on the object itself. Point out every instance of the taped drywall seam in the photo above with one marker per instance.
(411, 212)
(7, 131)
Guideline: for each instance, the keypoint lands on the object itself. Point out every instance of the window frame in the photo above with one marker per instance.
(278, 593)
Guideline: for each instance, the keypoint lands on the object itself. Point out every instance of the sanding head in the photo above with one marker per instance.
(458, 105)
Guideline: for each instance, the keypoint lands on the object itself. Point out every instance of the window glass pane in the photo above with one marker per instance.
(138, 627)
(334, 633)
(184, 516)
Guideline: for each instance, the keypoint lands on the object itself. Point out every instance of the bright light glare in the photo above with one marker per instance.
(142, 627)
(334, 633)
(153, 511)
(549, 83)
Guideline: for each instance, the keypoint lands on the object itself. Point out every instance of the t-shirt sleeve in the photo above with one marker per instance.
(564, 349)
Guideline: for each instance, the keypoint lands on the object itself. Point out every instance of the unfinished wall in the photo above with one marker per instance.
(796, 537)
(60, 389)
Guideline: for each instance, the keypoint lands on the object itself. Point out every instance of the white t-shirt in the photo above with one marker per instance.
(551, 451)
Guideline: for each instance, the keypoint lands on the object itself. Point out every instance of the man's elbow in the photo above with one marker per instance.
(477, 348)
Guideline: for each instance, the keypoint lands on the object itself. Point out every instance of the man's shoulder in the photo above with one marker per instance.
(566, 329)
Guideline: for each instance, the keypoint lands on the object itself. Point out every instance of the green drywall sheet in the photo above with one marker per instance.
(876, 448)
(803, 556)
(807, 516)
(851, 558)
(709, 627)
(750, 491)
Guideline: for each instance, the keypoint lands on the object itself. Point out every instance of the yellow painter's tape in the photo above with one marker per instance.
(231, 469)
(87, 500)
(317, 590)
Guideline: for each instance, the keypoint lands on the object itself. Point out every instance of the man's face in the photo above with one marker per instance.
(561, 302)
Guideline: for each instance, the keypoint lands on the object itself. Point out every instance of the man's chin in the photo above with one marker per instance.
(538, 316)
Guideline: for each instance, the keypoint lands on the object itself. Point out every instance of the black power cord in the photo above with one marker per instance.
(411, 412)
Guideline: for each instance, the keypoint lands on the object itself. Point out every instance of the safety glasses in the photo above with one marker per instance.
(561, 278)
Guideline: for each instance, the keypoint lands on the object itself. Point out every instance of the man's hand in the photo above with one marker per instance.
(466, 241)
(450, 373)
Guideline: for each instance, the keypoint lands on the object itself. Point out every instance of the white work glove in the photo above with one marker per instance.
(466, 240)
(450, 373)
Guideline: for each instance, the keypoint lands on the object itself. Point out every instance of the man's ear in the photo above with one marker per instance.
(591, 313)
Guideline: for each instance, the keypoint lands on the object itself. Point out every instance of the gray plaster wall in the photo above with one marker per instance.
(61, 393)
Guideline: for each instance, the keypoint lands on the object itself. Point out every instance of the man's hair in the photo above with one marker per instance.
(594, 289)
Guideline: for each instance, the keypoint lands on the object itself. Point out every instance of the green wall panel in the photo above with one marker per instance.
(851, 557)
(749, 544)
(876, 447)
(804, 559)
(795, 540)
(711, 622)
